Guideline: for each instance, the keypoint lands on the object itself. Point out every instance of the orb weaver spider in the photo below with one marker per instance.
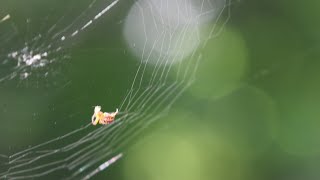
(102, 118)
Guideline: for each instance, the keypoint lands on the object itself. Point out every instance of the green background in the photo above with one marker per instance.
(252, 113)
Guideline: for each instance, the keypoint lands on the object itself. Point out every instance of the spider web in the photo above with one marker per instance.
(165, 69)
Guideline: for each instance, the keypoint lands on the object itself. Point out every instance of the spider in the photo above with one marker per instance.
(102, 118)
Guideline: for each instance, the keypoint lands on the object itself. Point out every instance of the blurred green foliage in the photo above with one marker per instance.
(252, 113)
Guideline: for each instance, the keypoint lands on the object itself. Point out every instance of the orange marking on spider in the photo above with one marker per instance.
(102, 118)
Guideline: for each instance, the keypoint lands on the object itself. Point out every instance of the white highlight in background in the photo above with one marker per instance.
(5, 18)
(165, 31)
